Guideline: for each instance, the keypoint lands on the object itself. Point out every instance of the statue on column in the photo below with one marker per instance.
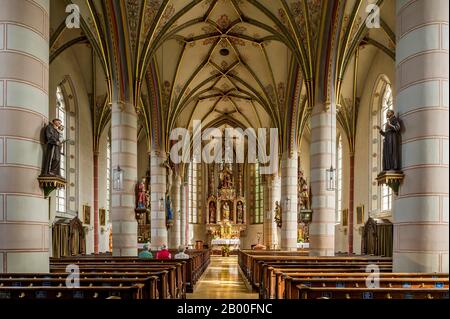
(226, 211)
(142, 195)
(240, 213)
(52, 160)
(212, 212)
(391, 143)
(169, 168)
(277, 217)
(303, 188)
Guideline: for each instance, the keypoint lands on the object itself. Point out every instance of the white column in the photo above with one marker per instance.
(323, 150)
(175, 231)
(289, 192)
(271, 196)
(24, 63)
(124, 154)
(158, 193)
(421, 208)
(183, 217)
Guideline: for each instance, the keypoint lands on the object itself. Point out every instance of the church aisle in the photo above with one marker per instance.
(222, 280)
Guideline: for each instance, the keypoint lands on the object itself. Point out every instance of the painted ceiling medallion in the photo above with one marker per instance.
(224, 52)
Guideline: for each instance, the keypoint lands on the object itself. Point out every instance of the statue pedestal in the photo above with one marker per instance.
(393, 179)
(51, 182)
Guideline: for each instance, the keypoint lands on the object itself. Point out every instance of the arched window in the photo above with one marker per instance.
(381, 196)
(257, 214)
(194, 198)
(386, 104)
(339, 179)
(108, 176)
(61, 206)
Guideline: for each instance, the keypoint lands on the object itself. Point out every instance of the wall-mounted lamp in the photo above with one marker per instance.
(118, 178)
(331, 178)
(287, 203)
(161, 203)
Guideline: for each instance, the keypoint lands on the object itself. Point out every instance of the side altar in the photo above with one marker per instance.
(226, 217)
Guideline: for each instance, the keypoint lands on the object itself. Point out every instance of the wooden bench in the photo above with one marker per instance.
(277, 290)
(374, 293)
(149, 284)
(264, 271)
(169, 287)
(194, 268)
(291, 291)
(131, 292)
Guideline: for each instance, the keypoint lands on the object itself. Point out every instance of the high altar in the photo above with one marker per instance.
(226, 216)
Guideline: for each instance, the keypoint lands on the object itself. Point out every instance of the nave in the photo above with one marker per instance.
(222, 280)
(90, 176)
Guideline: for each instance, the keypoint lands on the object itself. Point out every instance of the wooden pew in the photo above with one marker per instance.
(252, 268)
(282, 284)
(263, 269)
(375, 293)
(291, 284)
(149, 284)
(194, 268)
(131, 292)
(169, 289)
(176, 269)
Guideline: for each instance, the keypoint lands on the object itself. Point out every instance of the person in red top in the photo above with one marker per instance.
(163, 253)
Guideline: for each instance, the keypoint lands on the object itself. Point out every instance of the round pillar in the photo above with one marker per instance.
(323, 149)
(175, 231)
(289, 193)
(420, 210)
(24, 64)
(124, 155)
(158, 172)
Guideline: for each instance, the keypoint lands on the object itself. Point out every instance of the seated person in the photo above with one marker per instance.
(163, 253)
(259, 247)
(146, 253)
(181, 253)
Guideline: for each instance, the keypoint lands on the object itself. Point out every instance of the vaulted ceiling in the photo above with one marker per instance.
(248, 63)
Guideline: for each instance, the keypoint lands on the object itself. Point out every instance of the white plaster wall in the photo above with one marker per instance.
(251, 236)
(67, 64)
(196, 232)
(142, 160)
(103, 239)
(381, 64)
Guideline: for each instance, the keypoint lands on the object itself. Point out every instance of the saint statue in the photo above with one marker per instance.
(167, 165)
(391, 143)
(226, 211)
(212, 212)
(277, 217)
(240, 213)
(304, 196)
(52, 161)
(142, 197)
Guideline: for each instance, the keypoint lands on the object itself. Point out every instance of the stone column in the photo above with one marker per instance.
(271, 196)
(24, 64)
(289, 192)
(183, 217)
(96, 224)
(175, 231)
(158, 178)
(124, 155)
(323, 150)
(420, 210)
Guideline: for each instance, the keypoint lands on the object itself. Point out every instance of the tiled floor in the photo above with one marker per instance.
(222, 280)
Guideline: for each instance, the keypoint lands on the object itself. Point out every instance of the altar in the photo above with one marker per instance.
(226, 217)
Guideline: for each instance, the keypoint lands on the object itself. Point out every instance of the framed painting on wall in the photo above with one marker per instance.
(345, 217)
(102, 216)
(86, 214)
(360, 214)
